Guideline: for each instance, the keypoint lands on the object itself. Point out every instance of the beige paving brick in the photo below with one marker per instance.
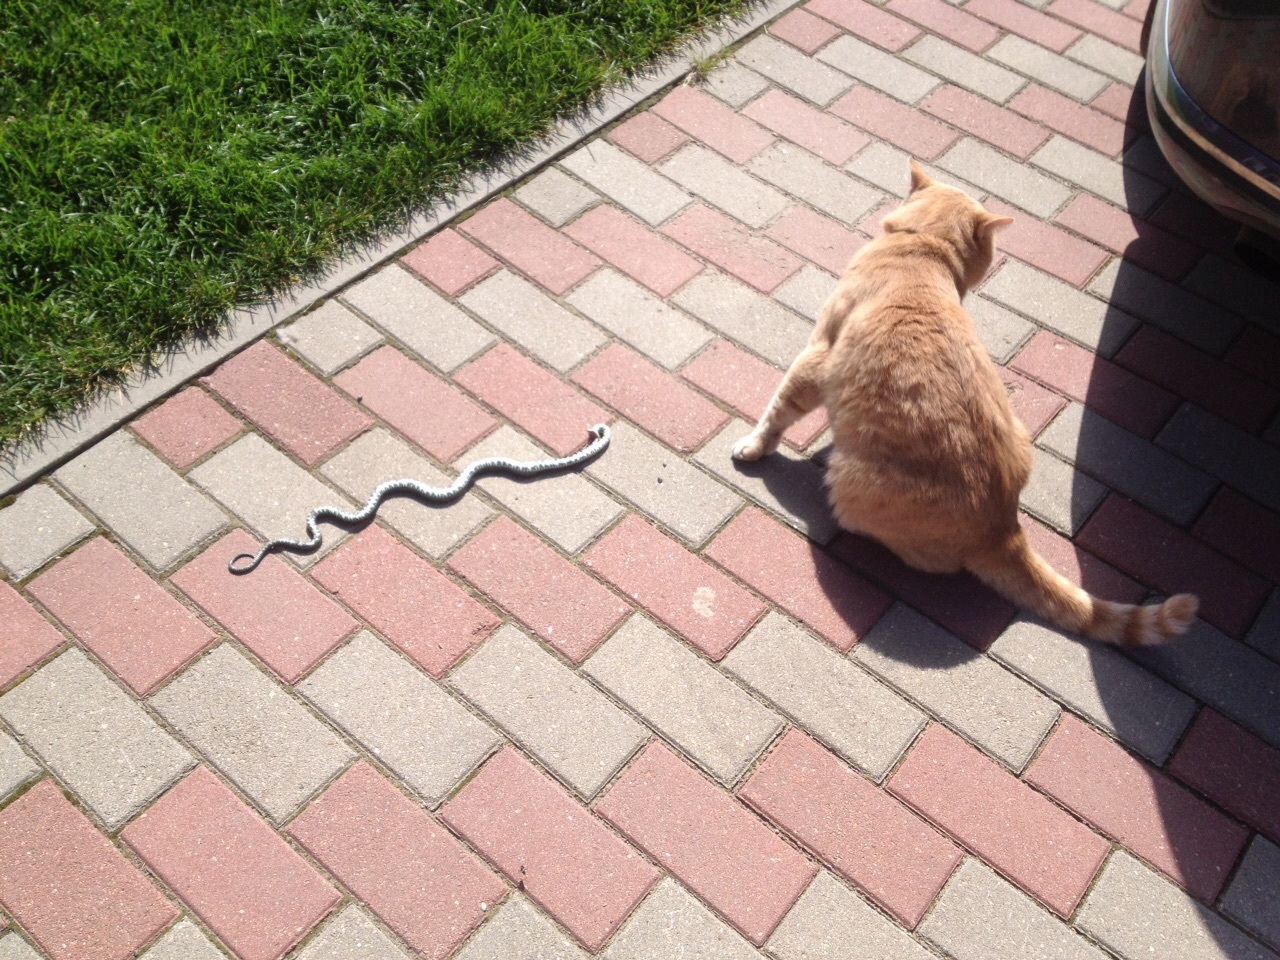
(744, 315)
(379, 456)
(330, 337)
(671, 491)
(1007, 178)
(831, 922)
(556, 196)
(1059, 494)
(184, 941)
(1222, 449)
(520, 931)
(626, 309)
(810, 178)
(1136, 913)
(37, 527)
(154, 511)
(1264, 635)
(1061, 307)
(400, 715)
(1001, 331)
(13, 947)
(788, 67)
(858, 717)
(1099, 174)
(979, 915)
(523, 313)
(1132, 704)
(1123, 460)
(248, 727)
(723, 184)
(418, 317)
(671, 923)
(878, 69)
(627, 181)
(1166, 305)
(883, 165)
(564, 508)
(1231, 285)
(734, 84)
(547, 708)
(97, 740)
(1048, 67)
(969, 692)
(1253, 899)
(684, 698)
(16, 768)
(1117, 62)
(785, 483)
(807, 291)
(352, 935)
(964, 68)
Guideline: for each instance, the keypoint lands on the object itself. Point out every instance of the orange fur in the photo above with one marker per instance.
(929, 457)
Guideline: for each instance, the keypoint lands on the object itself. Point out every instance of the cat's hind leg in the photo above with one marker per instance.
(799, 392)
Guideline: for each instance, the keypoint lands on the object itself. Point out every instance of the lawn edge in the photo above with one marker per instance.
(61, 439)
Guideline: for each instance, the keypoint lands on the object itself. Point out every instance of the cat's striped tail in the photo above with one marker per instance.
(1017, 572)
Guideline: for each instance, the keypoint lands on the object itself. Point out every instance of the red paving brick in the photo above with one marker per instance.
(948, 21)
(1244, 531)
(746, 383)
(1097, 19)
(1079, 566)
(1233, 768)
(708, 840)
(275, 612)
(1071, 119)
(732, 247)
(540, 253)
(236, 873)
(1138, 807)
(1159, 554)
(1133, 403)
(449, 262)
(814, 130)
(186, 427)
(1024, 836)
(1193, 219)
(406, 599)
(706, 118)
(676, 586)
(428, 411)
(1257, 352)
(1033, 404)
(866, 21)
(809, 584)
(968, 608)
(1025, 22)
(1137, 9)
(982, 118)
(1045, 246)
(1140, 242)
(1217, 386)
(863, 833)
(804, 30)
(73, 893)
(1118, 101)
(819, 239)
(650, 397)
(547, 593)
(648, 137)
(533, 399)
(28, 637)
(138, 630)
(634, 249)
(303, 413)
(896, 122)
(543, 839)
(398, 861)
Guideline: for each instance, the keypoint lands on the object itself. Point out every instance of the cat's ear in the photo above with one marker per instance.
(989, 223)
(919, 179)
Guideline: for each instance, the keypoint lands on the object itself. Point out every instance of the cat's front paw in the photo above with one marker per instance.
(750, 447)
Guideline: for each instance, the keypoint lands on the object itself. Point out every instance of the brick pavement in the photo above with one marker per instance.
(662, 707)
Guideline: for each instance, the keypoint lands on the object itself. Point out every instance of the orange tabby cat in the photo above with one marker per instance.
(928, 457)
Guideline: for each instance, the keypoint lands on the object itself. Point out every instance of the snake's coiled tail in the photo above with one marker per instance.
(431, 494)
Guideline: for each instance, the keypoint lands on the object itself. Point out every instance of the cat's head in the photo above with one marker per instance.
(952, 215)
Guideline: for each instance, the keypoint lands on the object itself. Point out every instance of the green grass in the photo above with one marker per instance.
(162, 161)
